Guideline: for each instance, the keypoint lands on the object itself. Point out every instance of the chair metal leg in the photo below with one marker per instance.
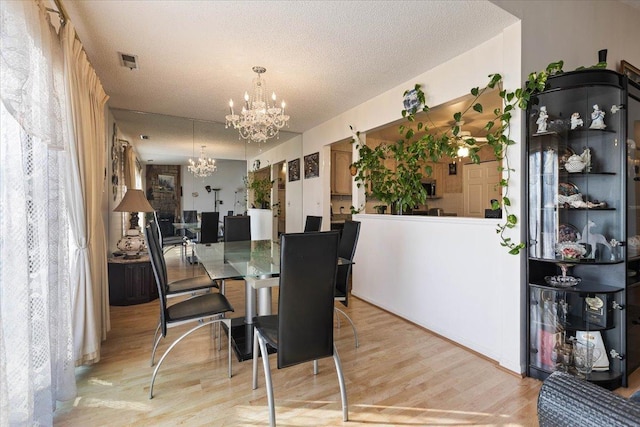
(353, 326)
(157, 339)
(343, 389)
(228, 323)
(315, 367)
(256, 354)
(166, 353)
(267, 379)
(154, 340)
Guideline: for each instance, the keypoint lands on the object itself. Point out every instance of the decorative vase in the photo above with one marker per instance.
(132, 244)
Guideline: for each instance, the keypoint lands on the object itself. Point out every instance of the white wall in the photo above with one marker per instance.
(228, 178)
(443, 274)
(575, 32)
(287, 151)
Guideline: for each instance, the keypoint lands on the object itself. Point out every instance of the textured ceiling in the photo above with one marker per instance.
(322, 57)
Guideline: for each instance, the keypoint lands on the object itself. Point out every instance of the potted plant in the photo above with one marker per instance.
(261, 188)
(401, 187)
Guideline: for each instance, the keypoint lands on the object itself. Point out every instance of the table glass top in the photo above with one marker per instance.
(246, 258)
(255, 258)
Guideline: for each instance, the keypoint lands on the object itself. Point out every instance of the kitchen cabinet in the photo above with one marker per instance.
(582, 223)
(341, 179)
(131, 281)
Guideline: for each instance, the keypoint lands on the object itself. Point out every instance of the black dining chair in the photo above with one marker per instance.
(237, 228)
(209, 227)
(302, 331)
(183, 287)
(346, 250)
(169, 241)
(312, 223)
(202, 310)
(189, 217)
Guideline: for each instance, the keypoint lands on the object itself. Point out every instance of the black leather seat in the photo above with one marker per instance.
(201, 309)
(347, 250)
(302, 331)
(312, 223)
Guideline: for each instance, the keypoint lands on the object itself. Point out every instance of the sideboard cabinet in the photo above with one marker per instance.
(131, 281)
(583, 270)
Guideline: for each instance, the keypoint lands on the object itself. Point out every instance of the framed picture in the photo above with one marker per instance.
(630, 71)
(453, 170)
(312, 165)
(166, 183)
(294, 170)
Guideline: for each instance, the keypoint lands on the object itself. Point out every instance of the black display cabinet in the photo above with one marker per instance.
(583, 194)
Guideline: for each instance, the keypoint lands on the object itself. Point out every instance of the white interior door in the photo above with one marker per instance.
(480, 184)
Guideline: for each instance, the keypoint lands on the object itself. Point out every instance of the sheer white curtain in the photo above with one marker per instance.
(36, 340)
(85, 182)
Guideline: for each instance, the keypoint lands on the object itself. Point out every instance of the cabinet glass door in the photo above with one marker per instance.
(575, 176)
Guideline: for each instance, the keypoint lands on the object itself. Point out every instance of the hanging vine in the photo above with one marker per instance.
(436, 144)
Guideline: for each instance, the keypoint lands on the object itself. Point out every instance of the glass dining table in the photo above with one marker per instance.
(243, 260)
(254, 262)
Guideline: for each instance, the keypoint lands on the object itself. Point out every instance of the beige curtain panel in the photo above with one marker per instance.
(85, 182)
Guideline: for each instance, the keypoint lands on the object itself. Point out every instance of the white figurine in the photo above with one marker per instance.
(592, 239)
(597, 118)
(576, 121)
(542, 120)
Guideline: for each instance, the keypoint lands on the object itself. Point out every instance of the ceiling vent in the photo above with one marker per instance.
(128, 60)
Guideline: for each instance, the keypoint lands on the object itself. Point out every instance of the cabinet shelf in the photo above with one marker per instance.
(584, 261)
(608, 379)
(585, 287)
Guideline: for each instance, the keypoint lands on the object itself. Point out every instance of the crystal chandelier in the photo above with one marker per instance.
(202, 167)
(259, 119)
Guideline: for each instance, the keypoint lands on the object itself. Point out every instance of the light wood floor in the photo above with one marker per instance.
(401, 375)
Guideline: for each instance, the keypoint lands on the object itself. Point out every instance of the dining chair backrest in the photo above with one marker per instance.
(189, 217)
(312, 223)
(308, 263)
(347, 250)
(157, 262)
(237, 228)
(209, 227)
(156, 241)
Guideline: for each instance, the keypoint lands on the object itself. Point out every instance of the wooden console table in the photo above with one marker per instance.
(131, 281)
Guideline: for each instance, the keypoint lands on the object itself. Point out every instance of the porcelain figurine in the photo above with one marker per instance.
(576, 163)
(616, 108)
(576, 121)
(542, 120)
(597, 118)
(592, 239)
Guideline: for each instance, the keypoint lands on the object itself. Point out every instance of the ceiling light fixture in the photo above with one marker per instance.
(259, 119)
(204, 166)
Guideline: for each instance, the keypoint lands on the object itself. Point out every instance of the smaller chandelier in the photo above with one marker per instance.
(202, 167)
(259, 119)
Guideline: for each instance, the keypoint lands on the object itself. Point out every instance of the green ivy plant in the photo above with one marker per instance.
(261, 189)
(404, 184)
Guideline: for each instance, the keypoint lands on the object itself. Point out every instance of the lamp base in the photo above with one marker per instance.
(132, 244)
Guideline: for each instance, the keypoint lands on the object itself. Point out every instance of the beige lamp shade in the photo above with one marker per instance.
(134, 201)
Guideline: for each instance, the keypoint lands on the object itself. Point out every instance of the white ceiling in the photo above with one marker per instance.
(322, 57)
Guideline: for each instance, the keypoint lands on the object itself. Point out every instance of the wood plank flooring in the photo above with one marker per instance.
(401, 375)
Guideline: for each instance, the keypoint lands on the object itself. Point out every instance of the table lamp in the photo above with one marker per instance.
(132, 243)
